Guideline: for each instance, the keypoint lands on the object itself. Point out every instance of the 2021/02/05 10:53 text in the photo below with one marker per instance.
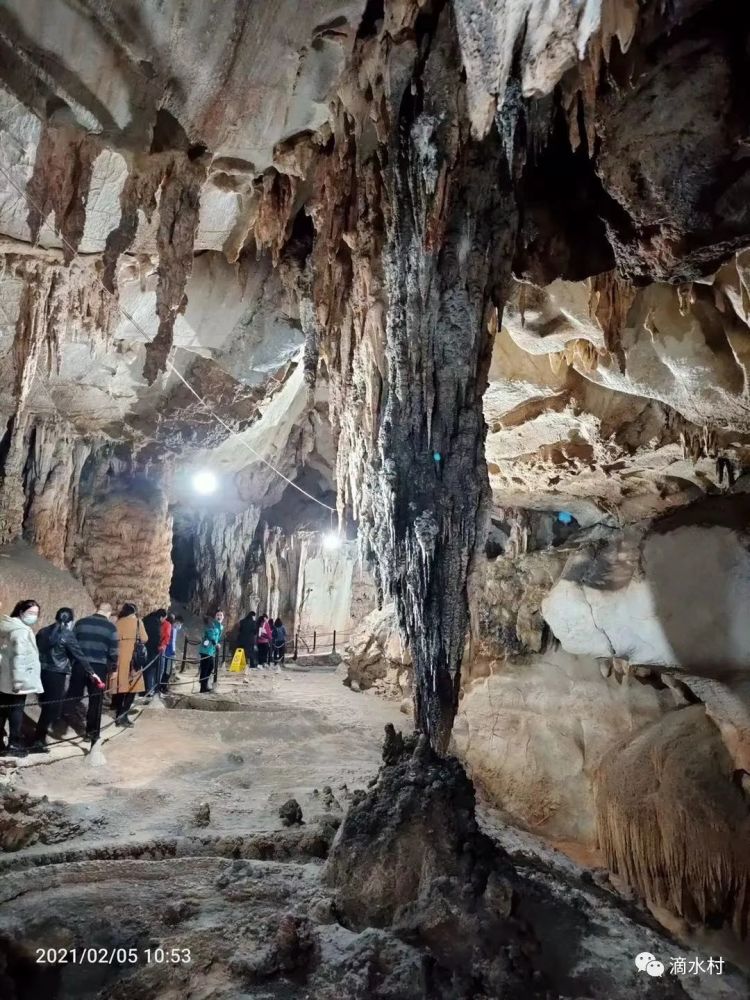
(112, 956)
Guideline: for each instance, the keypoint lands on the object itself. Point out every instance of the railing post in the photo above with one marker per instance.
(296, 645)
(334, 641)
(184, 656)
(315, 639)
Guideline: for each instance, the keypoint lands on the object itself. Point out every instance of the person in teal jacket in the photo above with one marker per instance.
(209, 647)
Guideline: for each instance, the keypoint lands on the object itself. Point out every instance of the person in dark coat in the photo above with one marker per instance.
(247, 637)
(279, 641)
(99, 643)
(59, 651)
(154, 632)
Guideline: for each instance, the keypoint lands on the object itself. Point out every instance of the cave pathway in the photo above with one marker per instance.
(250, 746)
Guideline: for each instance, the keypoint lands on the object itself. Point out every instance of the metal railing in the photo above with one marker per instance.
(304, 642)
(322, 642)
(219, 656)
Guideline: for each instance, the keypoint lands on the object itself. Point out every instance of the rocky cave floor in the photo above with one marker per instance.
(176, 843)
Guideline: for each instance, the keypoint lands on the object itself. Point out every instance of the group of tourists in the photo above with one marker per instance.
(125, 656)
(263, 640)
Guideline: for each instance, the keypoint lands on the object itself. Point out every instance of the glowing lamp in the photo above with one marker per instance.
(331, 540)
(205, 482)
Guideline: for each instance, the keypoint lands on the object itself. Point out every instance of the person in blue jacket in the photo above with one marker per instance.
(209, 647)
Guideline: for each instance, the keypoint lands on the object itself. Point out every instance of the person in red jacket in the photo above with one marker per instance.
(165, 636)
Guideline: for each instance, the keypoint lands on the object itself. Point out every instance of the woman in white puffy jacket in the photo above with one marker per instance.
(20, 671)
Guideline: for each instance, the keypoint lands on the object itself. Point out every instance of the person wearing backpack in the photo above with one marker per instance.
(59, 652)
(127, 680)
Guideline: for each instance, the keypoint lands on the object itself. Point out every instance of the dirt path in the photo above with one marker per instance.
(244, 750)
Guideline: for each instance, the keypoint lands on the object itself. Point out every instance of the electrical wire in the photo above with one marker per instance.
(170, 366)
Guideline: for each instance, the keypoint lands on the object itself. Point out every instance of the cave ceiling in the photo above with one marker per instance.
(188, 153)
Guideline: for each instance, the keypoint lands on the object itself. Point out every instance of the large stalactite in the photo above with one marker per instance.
(425, 243)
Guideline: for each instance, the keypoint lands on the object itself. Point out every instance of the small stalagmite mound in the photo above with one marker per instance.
(410, 857)
(291, 813)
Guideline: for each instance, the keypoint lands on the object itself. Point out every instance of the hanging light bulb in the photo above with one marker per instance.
(205, 482)
(331, 540)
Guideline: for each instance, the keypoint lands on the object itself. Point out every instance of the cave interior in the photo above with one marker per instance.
(450, 301)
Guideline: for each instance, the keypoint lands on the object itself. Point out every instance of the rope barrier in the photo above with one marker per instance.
(87, 695)
(84, 696)
(80, 740)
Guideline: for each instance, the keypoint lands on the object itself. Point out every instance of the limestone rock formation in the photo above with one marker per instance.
(674, 824)
(467, 279)
(671, 595)
(24, 572)
(26, 820)
(375, 655)
(410, 855)
(533, 733)
(125, 547)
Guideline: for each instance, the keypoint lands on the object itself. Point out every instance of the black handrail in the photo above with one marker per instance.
(300, 638)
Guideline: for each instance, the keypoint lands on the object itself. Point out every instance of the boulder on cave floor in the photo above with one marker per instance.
(26, 820)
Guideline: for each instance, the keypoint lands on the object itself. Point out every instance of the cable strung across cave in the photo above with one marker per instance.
(131, 319)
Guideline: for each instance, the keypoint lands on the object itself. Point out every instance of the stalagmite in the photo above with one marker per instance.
(431, 258)
(423, 326)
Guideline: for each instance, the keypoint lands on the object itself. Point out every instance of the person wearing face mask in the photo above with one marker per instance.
(20, 670)
(209, 647)
(59, 650)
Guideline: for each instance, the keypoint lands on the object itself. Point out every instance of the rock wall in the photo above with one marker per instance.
(241, 566)
(550, 689)
(534, 731)
(313, 588)
(326, 584)
(673, 595)
(26, 574)
(222, 560)
(88, 507)
(123, 550)
(377, 657)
